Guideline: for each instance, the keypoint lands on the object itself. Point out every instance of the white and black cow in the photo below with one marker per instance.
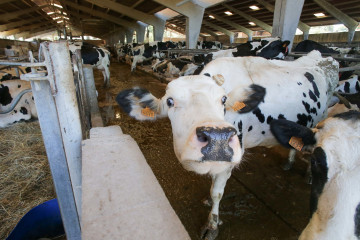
(228, 108)
(97, 56)
(209, 45)
(148, 51)
(309, 45)
(335, 167)
(16, 102)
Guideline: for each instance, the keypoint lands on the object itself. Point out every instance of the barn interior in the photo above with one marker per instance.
(261, 200)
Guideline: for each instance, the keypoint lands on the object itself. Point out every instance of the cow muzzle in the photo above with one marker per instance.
(218, 141)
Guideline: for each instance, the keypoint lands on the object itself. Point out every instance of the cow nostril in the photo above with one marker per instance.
(201, 137)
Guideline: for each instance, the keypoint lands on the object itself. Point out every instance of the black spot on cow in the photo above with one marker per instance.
(309, 76)
(259, 115)
(5, 96)
(302, 119)
(281, 116)
(198, 70)
(309, 45)
(312, 96)
(347, 87)
(32, 97)
(262, 132)
(250, 128)
(19, 86)
(316, 90)
(101, 52)
(269, 119)
(15, 111)
(357, 87)
(349, 115)
(240, 124)
(319, 170)
(26, 101)
(299, 83)
(254, 99)
(23, 110)
(304, 94)
(244, 50)
(307, 106)
(89, 54)
(318, 105)
(357, 221)
(207, 74)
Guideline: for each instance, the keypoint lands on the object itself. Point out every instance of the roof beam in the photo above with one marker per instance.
(99, 14)
(349, 22)
(261, 24)
(9, 26)
(6, 1)
(245, 30)
(11, 15)
(38, 32)
(221, 29)
(128, 11)
(22, 29)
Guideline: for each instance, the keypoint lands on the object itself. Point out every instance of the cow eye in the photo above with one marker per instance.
(223, 100)
(170, 102)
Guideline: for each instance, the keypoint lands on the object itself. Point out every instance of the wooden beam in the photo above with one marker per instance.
(22, 29)
(9, 26)
(11, 15)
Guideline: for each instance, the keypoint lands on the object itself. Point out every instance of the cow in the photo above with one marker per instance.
(96, 56)
(148, 51)
(16, 102)
(309, 45)
(335, 166)
(209, 45)
(228, 108)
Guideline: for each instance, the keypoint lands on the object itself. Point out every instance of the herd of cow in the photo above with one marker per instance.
(226, 101)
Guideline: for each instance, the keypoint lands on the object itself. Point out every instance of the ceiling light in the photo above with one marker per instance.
(64, 13)
(57, 5)
(60, 21)
(253, 7)
(173, 25)
(66, 18)
(319, 15)
(252, 23)
(228, 13)
(49, 13)
(56, 18)
(211, 16)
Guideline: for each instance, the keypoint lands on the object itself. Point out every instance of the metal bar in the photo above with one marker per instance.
(61, 76)
(356, 67)
(354, 58)
(52, 136)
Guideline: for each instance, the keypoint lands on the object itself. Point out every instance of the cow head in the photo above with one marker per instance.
(274, 50)
(334, 160)
(203, 141)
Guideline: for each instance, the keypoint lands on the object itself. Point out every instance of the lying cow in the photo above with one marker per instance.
(93, 55)
(16, 102)
(335, 167)
(309, 45)
(228, 108)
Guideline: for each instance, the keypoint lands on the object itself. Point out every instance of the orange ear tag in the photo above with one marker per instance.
(238, 106)
(148, 112)
(296, 143)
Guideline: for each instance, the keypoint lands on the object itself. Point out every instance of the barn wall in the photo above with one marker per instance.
(6, 42)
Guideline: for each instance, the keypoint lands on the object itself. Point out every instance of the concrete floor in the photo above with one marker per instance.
(261, 200)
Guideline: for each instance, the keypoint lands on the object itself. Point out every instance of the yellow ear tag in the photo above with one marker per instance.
(296, 143)
(238, 106)
(148, 112)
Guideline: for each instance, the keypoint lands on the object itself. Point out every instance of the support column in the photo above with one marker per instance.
(140, 32)
(193, 26)
(159, 29)
(286, 19)
(129, 35)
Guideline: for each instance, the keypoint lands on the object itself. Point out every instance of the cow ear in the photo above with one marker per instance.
(285, 43)
(140, 104)
(243, 100)
(292, 135)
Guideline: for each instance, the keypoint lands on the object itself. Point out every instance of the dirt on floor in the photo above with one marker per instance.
(261, 201)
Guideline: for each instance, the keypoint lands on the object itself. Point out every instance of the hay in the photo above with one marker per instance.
(25, 179)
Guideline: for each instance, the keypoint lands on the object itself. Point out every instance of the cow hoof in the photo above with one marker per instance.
(287, 166)
(209, 234)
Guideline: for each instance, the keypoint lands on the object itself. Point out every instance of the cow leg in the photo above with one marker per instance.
(210, 230)
(291, 159)
(106, 74)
